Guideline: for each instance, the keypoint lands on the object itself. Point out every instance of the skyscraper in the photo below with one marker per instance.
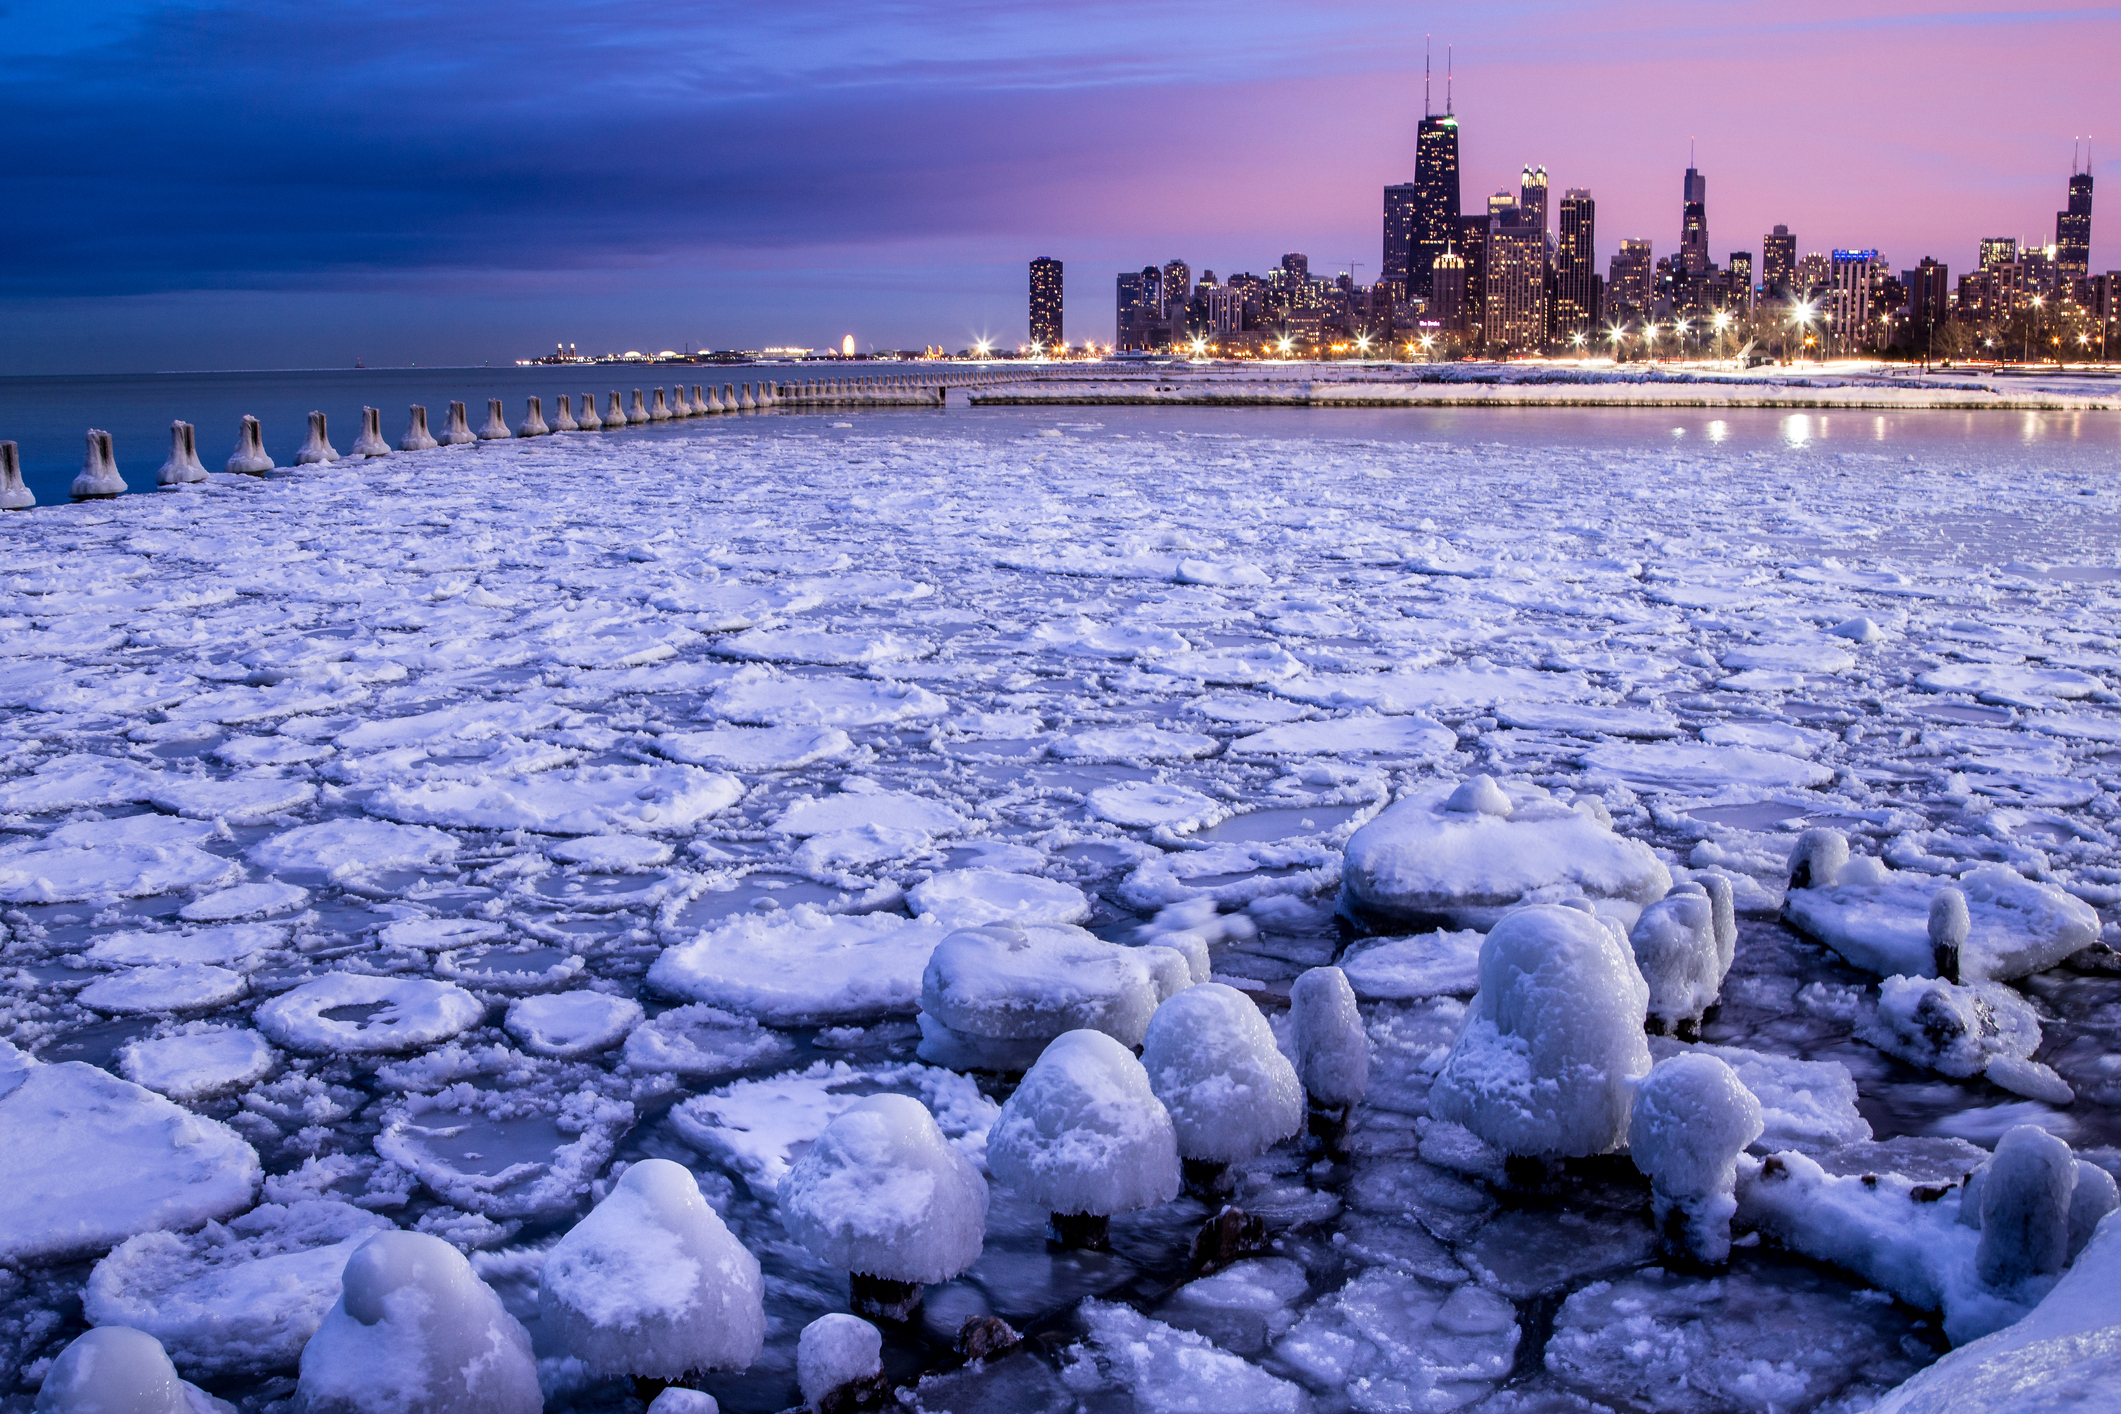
(1778, 263)
(1516, 313)
(1447, 293)
(1435, 223)
(1532, 197)
(1472, 245)
(1046, 304)
(1694, 223)
(2073, 228)
(1401, 203)
(1849, 299)
(1629, 290)
(1741, 289)
(1576, 266)
(1998, 250)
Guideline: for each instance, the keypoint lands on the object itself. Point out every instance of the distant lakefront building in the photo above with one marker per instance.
(1046, 324)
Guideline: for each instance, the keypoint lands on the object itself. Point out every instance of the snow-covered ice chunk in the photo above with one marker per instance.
(2012, 685)
(1684, 768)
(79, 782)
(1809, 1106)
(1474, 683)
(882, 1193)
(173, 987)
(415, 1331)
(244, 800)
(236, 946)
(346, 847)
(440, 934)
(803, 966)
(1231, 667)
(1211, 1059)
(1552, 1040)
(853, 809)
(504, 1153)
(1147, 805)
(117, 1370)
(570, 1024)
(612, 854)
(1692, 1119)
(1169, 1371)
(754, 749)
(772, 700)
(703, 1042)
(1588, 721)
(993, 997)
(98, 874)
(1879, 918)
(1407, 736)
(1086, 638)
(580, 801)
(1085, 1133)
(652, 1283)
(1440, 964)
(88, 1160)
(971, 898)
(1425, 858)
(1953, 1030)
(391, 1015)
(1332, 1050)
(262, 900)
(1134, 743)
(758, 1127)
(198, 1064)
(1387, 1341)
(809, 645)
(833, 1352)
(239, 1298)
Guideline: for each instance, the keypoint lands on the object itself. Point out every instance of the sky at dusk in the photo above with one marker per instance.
(297, 183)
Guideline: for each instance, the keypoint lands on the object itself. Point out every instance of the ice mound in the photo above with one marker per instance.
(1684, 944)
(342, 848)
(1084, 1133)
(97, 874)
(884, 1196)
(88, 1160)
(803, 966)
(1962, 1031)
(757, 1127)
(569, 1024)
(1809, 1106)
(1326, 1031)
(198, 1065)
(651, 1282)
(169, 988)
(115, 1370)
(770, 699)
(395, 1015)
(1466, 854)
(972, 898)
(993, 997)
(415, 1331)
(834, 1352)
(1409, 736)
(1445, 963)
(1879, 918)
(1388, 1341)
(1211, 1059)
(581, 801)
(236, 946)
(1552, 1040)
(504, 1153)
(1169, 1371)
(1692, 1119)
(240, 1298)
(755, 749)
(703, 1042)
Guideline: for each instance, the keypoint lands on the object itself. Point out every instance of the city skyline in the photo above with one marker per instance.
(237, 184)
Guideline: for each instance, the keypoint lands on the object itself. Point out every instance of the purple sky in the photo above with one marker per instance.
(273, 183)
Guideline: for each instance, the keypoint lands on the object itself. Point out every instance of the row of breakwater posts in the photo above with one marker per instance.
(100, 478)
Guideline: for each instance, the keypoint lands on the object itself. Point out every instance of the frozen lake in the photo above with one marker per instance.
(455, 829)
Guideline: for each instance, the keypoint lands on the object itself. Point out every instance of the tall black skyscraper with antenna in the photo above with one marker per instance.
(1694, 219)
(2073, 227)
(1421, 217)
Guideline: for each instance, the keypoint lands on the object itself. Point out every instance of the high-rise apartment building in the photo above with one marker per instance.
(1694, 224)
(1046, 304)
(1516, 313)
(1401, 205)
(1434, 227)
(1473, 248)
(1532, 197)
(1849, 299)
(1998, 250)
(1741, 292)
(2073, 230)
(1297, 266)
(1141, 310)
(1178, 286)
(1929, 294)
(1576, 266)
(1447, 294)
(1778, 263)
(1629, 286)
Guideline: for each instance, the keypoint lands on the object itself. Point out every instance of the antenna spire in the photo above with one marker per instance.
(1428, 109)
(1447, 80)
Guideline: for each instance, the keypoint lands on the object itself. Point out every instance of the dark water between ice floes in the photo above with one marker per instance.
(47, 417)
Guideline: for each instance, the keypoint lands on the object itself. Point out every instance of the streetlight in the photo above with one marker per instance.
(1723, 322)
(1200, 346)
(1649, 340)
(1285, 344)
(1577, 339)
(1613, 336)
(1362, 345)
(2025, 344)
(1801, 314)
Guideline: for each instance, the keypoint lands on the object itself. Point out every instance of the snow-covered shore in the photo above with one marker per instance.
(413, 844)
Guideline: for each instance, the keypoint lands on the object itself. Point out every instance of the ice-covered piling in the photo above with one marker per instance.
(99, 476)
(883, 1196)
(317, 450)
(1084, 1137)
(652, 1283)
(1949, 924)
(1692, 1118)
(729, 397)
(637, 411)
(680, 405)
(563, 416)
(1231, 1094)
(1679, 945)
(699, 403)
(183, 467)
(457, 432)
(533, 423)
(496, 428)
(14, 495)
(1818, 859)
(417, 438)
(744, 400)
(116, 1370)
(1332, 1051)
(589, 421)
(614, 413)
(659, 408)
(2025, 1201)
(370, 443)
(839, 1365)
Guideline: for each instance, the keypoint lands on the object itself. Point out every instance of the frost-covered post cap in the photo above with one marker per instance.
(1332, 1049)
(113, 1370)
(1085, 1133)
(834, 1352)
(652, 1283)
(882, 1192)
(1211, 1058)
(1692, 1118)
